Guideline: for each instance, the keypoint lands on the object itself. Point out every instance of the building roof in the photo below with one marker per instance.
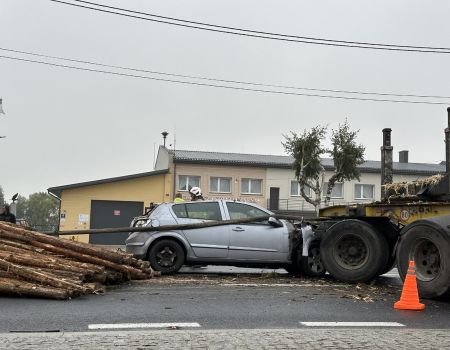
(58, 189)
(273, 161)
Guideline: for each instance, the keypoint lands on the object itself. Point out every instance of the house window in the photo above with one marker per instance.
(364, 191)
(295, 189)
(185, 182)
(337, 192)
(251, 186)
(220, 185)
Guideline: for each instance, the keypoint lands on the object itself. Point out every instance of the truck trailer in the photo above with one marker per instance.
(357, 243)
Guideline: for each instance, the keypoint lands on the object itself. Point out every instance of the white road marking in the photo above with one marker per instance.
(280, 285)
(352, 324)
(144, 325)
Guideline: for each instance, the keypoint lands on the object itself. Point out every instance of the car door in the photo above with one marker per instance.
(208, 242)
(257, 241)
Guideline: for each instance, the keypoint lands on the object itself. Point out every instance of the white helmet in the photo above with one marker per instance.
(196, 191)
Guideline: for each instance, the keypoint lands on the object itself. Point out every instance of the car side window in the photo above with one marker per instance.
(204, 211)
(180, 210)
(244, 211)
(199, 210)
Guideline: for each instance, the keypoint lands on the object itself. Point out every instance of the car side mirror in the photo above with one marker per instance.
(275, 222)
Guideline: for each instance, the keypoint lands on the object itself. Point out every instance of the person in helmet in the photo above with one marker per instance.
(196, 194)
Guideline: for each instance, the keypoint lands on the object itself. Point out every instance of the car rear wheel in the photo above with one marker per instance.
(166, 256)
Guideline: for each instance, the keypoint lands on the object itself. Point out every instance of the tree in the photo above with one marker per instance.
(2, 196)
(347, 155)
(41, 211)
(21, 206)
(307, 149)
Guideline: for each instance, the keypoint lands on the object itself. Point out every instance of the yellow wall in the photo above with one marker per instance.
(77, 201)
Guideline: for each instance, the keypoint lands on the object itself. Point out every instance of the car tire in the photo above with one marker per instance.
(354, 251)
(295, 268)
(312, 265)
(429, 248)
(166, 256)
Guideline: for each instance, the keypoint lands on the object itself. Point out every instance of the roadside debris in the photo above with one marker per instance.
(35, 264)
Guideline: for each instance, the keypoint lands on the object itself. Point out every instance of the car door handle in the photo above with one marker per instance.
(238, 229)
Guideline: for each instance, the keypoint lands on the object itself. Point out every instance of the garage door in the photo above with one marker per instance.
(113, 214)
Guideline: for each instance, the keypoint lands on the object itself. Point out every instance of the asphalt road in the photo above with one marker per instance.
(226, 300)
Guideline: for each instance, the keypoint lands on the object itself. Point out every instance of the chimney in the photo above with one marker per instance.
(403, 156)
(164, 135)
(386, 160)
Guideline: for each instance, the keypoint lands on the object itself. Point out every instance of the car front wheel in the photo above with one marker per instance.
(166, 256)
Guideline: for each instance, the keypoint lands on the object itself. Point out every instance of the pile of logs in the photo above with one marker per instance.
(36, 264)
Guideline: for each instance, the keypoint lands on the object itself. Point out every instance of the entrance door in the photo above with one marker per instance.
(106, 214)
(274, 201)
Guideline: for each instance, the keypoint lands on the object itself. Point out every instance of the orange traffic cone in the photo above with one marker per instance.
(410, 296)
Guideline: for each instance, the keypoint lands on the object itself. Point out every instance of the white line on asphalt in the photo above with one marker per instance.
(279, 285)
(144, 325)
(352, 324)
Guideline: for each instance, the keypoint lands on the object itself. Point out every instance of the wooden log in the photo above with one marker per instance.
(165, 227)
(83, 248)
(12, 286)
(69, 265)
(42, 277)
(48, 262)
(76, 276)
(21, 245)
(131, 271)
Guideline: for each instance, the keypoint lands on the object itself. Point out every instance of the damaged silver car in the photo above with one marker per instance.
(269, 243)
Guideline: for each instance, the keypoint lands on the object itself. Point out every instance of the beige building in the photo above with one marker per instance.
(270, 180)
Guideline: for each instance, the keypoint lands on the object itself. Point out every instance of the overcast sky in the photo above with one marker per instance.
(65, 126)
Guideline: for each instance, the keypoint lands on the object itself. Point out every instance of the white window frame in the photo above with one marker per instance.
(359, 196)
(187, 182)
(325, 187)
(307, 190)
(218, 184)
(250, 186)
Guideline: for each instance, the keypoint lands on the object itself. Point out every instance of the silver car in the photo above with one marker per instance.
(266, 243)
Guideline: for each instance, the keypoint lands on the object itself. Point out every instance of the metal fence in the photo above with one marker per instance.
(299, 204)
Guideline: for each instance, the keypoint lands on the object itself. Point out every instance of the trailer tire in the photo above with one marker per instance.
(354, 251)
(167, 256)
(429, 247)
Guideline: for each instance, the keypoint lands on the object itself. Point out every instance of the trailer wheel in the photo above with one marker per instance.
(166, 256)
(354, 251)
(429, 247)
(312, 264)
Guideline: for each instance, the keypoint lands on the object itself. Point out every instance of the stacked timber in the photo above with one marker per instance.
(36, 264)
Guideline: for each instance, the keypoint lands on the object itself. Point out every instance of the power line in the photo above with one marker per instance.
(221, 86)
(261, 32)
(223, 80)
(254, 33)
